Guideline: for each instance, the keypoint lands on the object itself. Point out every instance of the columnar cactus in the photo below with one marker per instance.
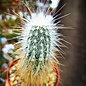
(39, 40)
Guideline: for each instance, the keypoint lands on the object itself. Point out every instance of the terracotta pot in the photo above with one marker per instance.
(15, 61)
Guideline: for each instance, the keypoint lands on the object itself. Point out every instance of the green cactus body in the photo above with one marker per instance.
(38, 47)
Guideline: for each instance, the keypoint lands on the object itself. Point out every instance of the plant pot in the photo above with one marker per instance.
(11, 81)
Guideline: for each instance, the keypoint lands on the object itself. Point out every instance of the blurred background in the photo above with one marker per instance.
(73, 72)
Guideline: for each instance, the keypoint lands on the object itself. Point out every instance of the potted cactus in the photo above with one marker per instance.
(38, 64)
